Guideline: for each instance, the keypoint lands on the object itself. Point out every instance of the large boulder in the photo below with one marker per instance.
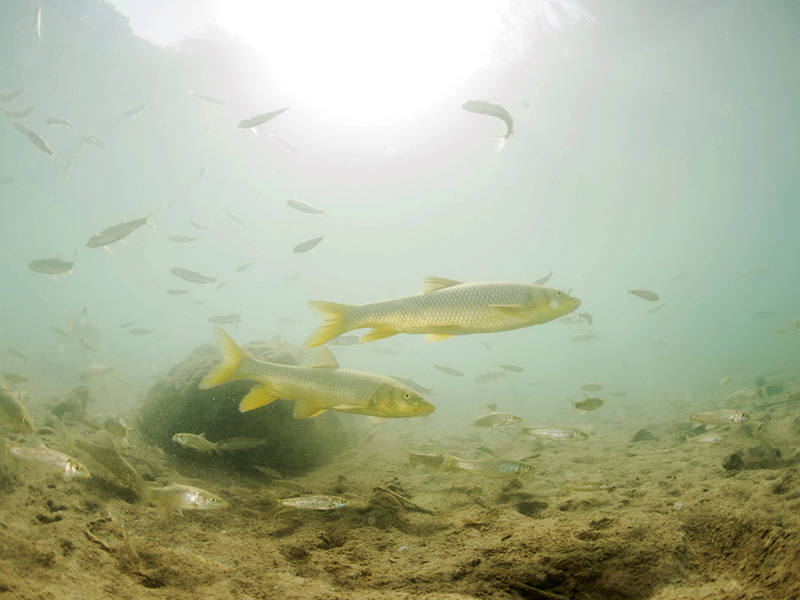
(175, 404)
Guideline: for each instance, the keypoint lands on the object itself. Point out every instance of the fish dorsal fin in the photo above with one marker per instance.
(438, 283)
(320, 358)
(305, 409)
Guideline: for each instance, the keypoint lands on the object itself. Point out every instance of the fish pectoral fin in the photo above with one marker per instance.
(259, 396)
(377, 334)
(437, 337)
(305, 409)
(438, 283)
(510, 309)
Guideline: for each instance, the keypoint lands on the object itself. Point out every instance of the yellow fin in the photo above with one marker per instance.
(305, 409)
(319, 357)
(437, 337)
(259, 396)
(511, 309)
(336, 321)
(377, 334)
(437, 283)
(228, 369)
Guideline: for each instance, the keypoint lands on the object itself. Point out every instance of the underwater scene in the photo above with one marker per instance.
(376, 300)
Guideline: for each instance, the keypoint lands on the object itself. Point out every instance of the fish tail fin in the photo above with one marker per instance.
(149, 223)
(337, 321)
(228, 369)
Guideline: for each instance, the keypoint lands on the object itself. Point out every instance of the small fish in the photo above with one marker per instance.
(226, 319)
(493, 110)
(194, 442)
(18, 354)
(449, 371)
(6, 96)
(490, 376)
(645, 295)
(488, 468)
(314, 502)
(260, 119)
(206, 98)
(496, 419)
(271, 473)
(233, 217)
(586, 317)
(117, 429)
(15, 378)
(304, 207)
(18, 114)
(243, 266)
(127, 324)
(93, 140)
(35, 139)
(117, 232)
(307, 245)
(588, 404)
(790, 326)
(343, 340)
(68, 467)
(235, 444)
(591, 387)
(96, 371)
(177, 292)
(724, 381)
(721, 416)
(38, 23)
(429, 460)
(57, 121)
(13, 412)
(181, 239)
(192, 276)
(583, 337)
(88, 344)
(141, 331)
(60, 331)
(543, 280)
(558, 434)
(656, 308)
(52, 266)
(196, 224)
(136, 110)
(511, 368)
(186, 497)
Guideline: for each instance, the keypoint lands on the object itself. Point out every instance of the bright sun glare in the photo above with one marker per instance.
(365, 61)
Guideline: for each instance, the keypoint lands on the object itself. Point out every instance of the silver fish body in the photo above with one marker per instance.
(116, 233)
(315, 502)
(68, 467)
(261, 119)
(186, 497)
(558, 434)
(193, 276)
(491, 109)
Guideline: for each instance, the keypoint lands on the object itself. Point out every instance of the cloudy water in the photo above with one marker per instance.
(368, 192)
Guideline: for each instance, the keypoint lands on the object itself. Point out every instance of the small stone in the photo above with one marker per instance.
(643, 435)
(733, 462)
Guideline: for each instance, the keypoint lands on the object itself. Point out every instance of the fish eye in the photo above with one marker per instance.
(558, 294)
(406, 396)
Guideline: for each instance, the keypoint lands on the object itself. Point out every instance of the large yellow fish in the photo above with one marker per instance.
(444, 309)
(316, 388)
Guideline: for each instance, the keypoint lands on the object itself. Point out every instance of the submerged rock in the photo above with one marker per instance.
(643, 435)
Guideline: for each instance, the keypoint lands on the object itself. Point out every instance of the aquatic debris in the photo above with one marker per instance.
(8, 96)
(206, 97)
(307, 245)
(721, 416)
(656, 308)
(497, 419)
(584, 337)
(57, 121)
(117, 232)
(197, 225)
(18, 114)
(226, 319)
(316, 388)
(260, 119)
(15, 378)
(490, 376)
(644, 295)
(192, 276)
(234, 218)
(34, 139)
(790, 326)
(588, 404)
(181, 239)
(141, 331)
(543, 280)
(446, 308)
(13, 412)
(489, 468)
(449, 371)
(304, 207)
(185, 497)
(52, 266)
(176, 292)
(96, 371)
(52, 460)
(320, 502)
(88, 344)
(493, 110)
(511, 368)
(559, 434)
(18, 354)
(591, 387)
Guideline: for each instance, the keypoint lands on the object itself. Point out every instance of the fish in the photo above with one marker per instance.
(588, 404)
(141, 331)
(491, 109)
(177, 292)
(15, 378)
(95, 371)
(226, 319)
(18, 114)
(591, 387)
(271, 473)
(558, 434)
(499, 468)
(181, 239)
(58, 121)
(13, 412)
(194, 223)
(429, 460)
(656, 308)
(511, 368)
(543, 280)
(127, 324)
(68, 467)
(186, 497)
(413, 385)
(106, 454)
(490, 376)
(496, 419)
(790, 326)
(445, 308)
(260, 119)
(233, 217)
(53, 266)
(240, 443)
(739, 397)
(18, 354)
(93, 140)
(307, 245)
(38, 23)
(60, 331)
(136, 110)
(343, 340)
(304, 207)
(192, 276)
(316, 388)
(645, 295)
(314, 502)
(8, 96)
(34, 139)
(724, 381)
(243, 266)
(88, 345)
(206, 98)
(117, 429)
(194, 442)
(586, 317)
(583, 337)
(720, 416)
(448, 370)
(117, 232)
